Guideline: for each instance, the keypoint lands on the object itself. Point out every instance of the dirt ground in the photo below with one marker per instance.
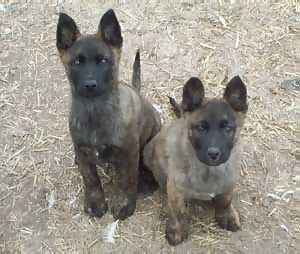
(41, 202)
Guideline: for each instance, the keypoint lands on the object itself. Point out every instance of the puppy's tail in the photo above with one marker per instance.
(175, 107)
(136, 74)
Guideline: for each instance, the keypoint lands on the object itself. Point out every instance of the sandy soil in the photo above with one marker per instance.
(41, 205)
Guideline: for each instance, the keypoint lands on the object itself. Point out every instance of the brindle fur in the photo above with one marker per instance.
(177, 156)
(109, 122)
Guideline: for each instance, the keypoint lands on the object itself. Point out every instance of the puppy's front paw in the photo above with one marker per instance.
(175, 232)
(123, 205)
(228, 219)
(95, 204)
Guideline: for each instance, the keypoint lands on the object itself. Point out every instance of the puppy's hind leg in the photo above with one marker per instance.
(146, 181)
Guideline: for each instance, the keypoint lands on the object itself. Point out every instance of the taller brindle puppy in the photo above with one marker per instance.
(109, 122)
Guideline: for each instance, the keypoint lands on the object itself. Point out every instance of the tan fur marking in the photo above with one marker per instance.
(64, 56)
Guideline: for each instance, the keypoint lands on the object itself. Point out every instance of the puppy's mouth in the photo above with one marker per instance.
(213, 162)
(90, 92)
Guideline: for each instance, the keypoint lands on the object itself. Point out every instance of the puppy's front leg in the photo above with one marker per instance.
(178, 222)
(94, 202)
(226, 215)
(125, 180)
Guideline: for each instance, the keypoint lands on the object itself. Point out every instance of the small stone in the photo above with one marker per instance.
(2, 7)
(291, 84)
(7, 31)
(8, 7)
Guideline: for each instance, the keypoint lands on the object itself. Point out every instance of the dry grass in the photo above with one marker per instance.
(40, 189)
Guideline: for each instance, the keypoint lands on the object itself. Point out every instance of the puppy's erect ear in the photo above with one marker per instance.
(193, 94)
(110, 30)
(66, 33)
(236, 94)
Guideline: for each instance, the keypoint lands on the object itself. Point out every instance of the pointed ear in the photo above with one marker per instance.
(66, 33)
(110, 30)
(193, 94)
(236, 94)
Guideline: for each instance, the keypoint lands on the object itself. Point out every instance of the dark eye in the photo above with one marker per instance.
(228, 129)
(225, 125)
(78, 60)
(101, 59)
(203, 126)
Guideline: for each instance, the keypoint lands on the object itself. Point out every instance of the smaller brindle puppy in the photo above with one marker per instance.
(110, 123)
(196, 156)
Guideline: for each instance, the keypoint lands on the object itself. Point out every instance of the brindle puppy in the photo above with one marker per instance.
(196, 156)
(109, 122)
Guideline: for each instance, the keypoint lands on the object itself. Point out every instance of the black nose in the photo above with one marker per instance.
(214, 153)
(90, 84)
